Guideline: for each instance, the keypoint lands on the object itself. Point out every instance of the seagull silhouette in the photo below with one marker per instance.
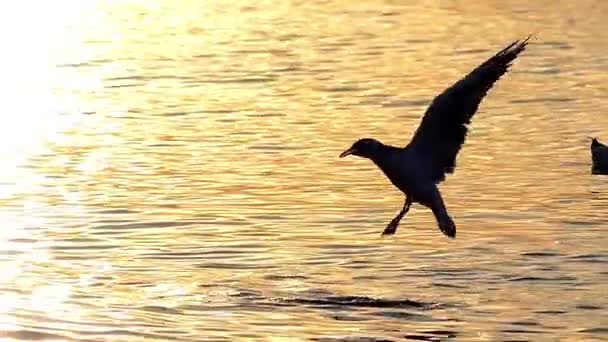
(599, 157)
(431, 154)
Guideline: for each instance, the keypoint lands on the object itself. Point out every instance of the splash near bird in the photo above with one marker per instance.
(599, 157)
(431, 154)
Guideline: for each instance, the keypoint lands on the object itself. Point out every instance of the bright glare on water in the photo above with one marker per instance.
(169, 171)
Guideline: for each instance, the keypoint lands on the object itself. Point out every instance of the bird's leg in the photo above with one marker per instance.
(391, 228)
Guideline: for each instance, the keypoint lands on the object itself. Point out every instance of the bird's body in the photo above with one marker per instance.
(599, 158)
(417, 168)
(394, 164)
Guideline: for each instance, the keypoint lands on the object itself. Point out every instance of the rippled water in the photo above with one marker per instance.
(170, 171)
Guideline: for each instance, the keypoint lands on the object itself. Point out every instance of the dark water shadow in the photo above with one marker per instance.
(424, 335)
(324, 300)
(359, 308)
(359, 301)
(431, 335)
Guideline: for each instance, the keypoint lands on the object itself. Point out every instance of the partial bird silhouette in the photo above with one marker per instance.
(599, 157)
(431, 154)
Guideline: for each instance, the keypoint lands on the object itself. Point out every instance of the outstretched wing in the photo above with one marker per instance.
(443, 129)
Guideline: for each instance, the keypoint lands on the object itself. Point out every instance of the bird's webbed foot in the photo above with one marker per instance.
(391, 228)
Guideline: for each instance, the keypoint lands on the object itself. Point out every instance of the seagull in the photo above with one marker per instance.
(419, 167)
(599, 157)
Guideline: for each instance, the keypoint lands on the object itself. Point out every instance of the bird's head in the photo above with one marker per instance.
(366, 148)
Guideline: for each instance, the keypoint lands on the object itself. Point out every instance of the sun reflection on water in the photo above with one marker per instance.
(41, 100)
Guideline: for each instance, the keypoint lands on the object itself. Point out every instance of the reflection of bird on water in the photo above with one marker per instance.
(431, 154)
(599, 157)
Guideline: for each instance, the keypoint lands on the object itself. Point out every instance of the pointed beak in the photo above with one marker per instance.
(347, 152)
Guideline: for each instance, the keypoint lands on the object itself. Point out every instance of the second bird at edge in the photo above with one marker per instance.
(417, 168)
(599, 157)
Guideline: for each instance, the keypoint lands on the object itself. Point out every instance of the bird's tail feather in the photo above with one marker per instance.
(447, 226)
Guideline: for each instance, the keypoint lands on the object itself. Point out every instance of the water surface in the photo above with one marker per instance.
(170, 171)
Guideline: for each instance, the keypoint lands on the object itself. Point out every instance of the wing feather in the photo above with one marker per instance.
(443, 128)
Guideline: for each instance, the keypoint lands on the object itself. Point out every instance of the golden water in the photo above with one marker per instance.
(169, 171)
